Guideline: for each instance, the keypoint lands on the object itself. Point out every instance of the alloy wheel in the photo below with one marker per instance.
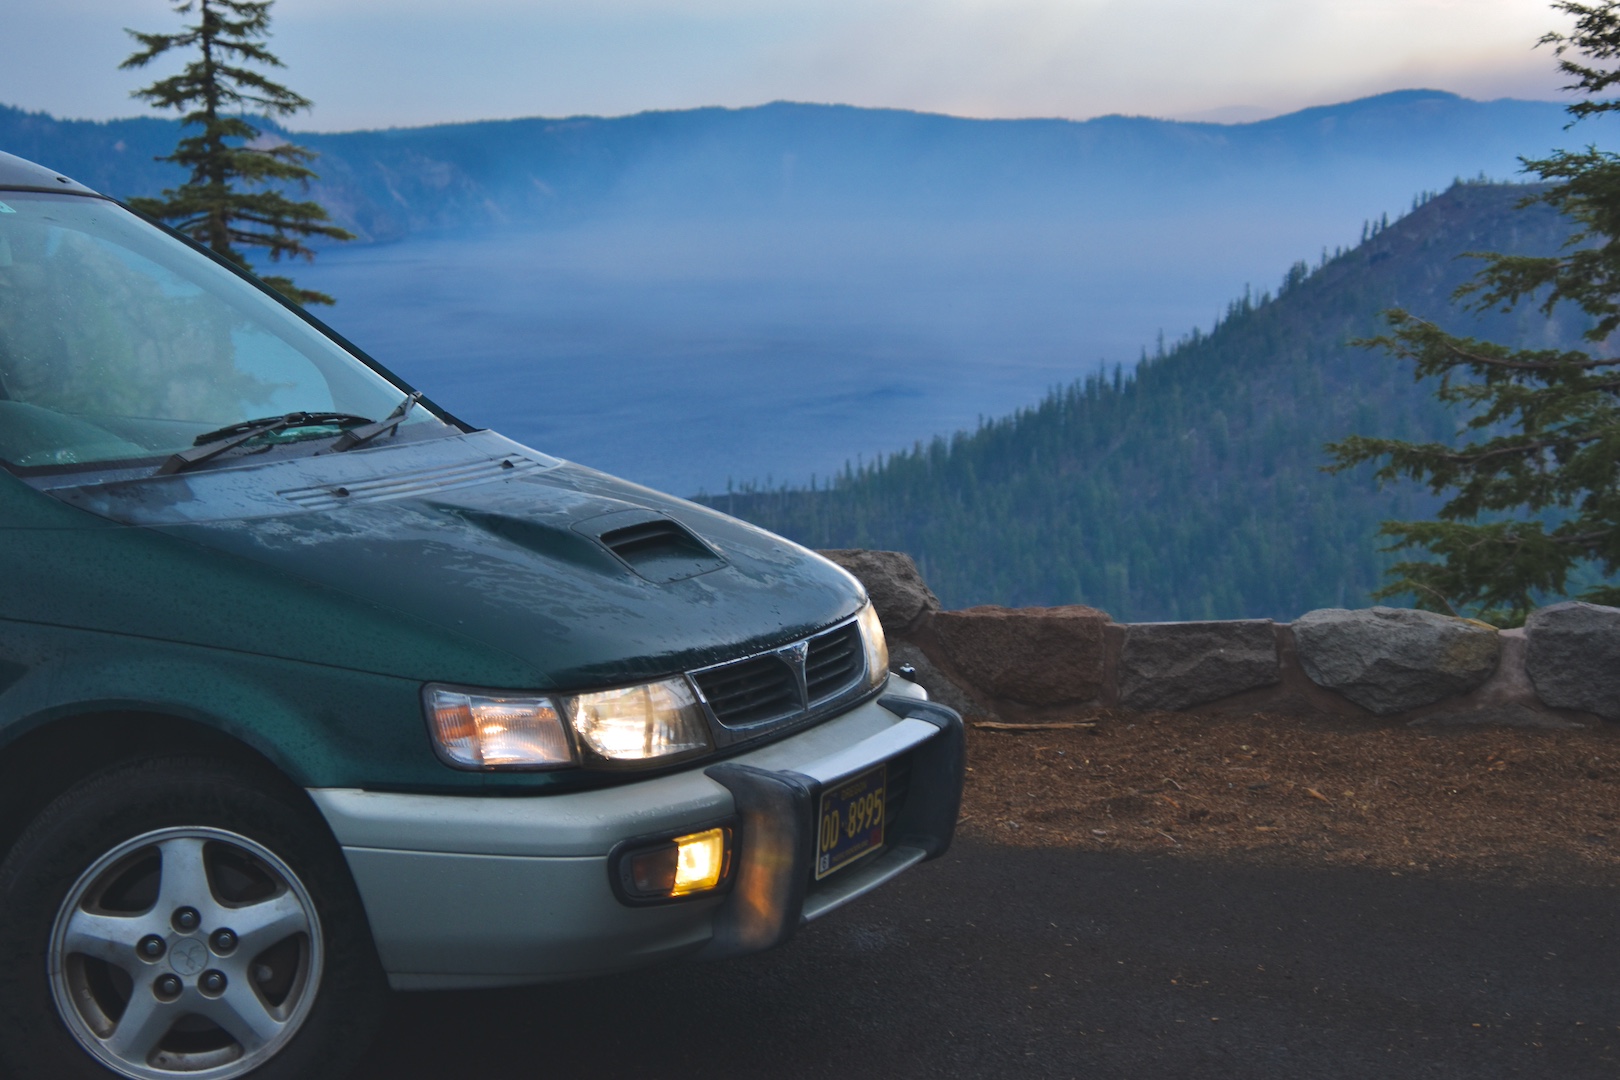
(186, 952)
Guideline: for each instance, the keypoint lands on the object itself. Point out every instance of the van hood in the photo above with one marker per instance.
(564, 577)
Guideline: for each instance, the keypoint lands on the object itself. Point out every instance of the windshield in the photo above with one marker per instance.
(118, 341)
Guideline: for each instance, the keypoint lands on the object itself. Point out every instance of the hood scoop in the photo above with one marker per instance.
(657, 548)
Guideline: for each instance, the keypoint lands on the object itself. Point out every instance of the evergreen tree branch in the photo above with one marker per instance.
(1539, 493)
(212, 93)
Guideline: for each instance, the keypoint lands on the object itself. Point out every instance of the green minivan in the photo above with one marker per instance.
(309, 689)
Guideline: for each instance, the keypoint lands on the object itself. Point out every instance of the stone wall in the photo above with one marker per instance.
(1024, 664)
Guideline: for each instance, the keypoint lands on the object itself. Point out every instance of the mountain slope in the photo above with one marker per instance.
(1192, 489)
(800, 160)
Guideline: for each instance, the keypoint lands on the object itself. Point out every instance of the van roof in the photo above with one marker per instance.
(16, 172)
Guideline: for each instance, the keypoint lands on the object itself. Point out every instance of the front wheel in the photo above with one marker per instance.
(183, 917)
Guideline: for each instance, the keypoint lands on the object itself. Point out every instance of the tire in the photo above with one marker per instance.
(112, 958)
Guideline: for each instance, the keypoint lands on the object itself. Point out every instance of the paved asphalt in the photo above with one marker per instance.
(1001, 962)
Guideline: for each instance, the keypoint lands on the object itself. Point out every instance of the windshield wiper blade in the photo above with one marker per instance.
(299, 418)
(359, 436)
(213, 443)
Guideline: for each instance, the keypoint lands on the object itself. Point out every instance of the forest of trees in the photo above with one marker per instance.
(1192, 487)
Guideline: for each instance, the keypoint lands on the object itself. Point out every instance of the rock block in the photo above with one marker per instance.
(1178, 665)
(1388, 660)
(898, 591)
(1034, 656)
(1573, 657)
(939, 685)
(1506, 700)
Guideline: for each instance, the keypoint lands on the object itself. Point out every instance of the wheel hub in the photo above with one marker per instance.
(186, 952)
(188, 956)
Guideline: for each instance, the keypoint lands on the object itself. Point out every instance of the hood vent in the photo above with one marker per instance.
(409, 484)
(657, 548)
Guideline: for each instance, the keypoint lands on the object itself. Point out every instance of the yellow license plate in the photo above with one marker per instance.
(850, 823)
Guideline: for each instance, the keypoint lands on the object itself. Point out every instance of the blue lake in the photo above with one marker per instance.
(690, 355)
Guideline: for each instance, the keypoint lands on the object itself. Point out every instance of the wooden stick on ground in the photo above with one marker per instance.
(997, 725)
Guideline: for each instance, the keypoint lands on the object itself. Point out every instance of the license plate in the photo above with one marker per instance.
(851, 820)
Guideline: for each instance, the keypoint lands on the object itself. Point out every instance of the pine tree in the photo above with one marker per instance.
(1534, 493)
(228, 155)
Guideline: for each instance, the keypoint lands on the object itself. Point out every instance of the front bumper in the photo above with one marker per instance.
(489, 891)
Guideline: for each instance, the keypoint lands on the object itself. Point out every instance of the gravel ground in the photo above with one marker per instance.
(1327, 791)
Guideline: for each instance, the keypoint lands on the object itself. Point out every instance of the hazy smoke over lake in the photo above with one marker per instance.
(688, 299)
(687, 355)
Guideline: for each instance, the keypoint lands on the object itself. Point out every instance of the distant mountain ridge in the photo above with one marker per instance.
(1192, 488)
(798, 160)
(689, 297)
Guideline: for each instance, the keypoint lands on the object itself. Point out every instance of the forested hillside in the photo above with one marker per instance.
(1192, 488)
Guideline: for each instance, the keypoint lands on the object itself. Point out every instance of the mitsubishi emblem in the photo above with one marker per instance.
(794, 656)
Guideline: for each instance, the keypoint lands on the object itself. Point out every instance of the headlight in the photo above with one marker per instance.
(490, 731)
(877, 649)
(632, 725)
(639, 723)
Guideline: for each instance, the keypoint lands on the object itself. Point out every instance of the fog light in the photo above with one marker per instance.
(683, 866)
(652, 873)
(700, 862)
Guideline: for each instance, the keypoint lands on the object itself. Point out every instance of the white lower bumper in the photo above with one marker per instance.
(487, 890)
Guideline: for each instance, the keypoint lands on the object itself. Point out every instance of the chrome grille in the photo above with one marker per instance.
(787, 683)
(751, 691)
(833, 662)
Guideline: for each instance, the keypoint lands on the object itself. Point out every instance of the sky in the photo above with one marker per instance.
(386, 63)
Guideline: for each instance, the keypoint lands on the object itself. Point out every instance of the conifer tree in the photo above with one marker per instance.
(1534, 491)
(228, 201)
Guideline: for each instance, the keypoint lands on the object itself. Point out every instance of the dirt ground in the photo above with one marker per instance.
(1329, 790)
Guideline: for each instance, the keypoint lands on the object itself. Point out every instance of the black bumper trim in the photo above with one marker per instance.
(772, 894)
(932, 807)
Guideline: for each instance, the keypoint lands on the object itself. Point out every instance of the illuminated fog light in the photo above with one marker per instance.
(484, 731)
(876, 647)
(652, 873)
(640, 723)
(700, 863)
(684, 866)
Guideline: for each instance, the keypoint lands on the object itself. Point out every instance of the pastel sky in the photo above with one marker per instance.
(376, 63)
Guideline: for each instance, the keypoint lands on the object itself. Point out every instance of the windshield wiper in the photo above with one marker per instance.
(359, 436)
(211, 444)
(298, 419)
